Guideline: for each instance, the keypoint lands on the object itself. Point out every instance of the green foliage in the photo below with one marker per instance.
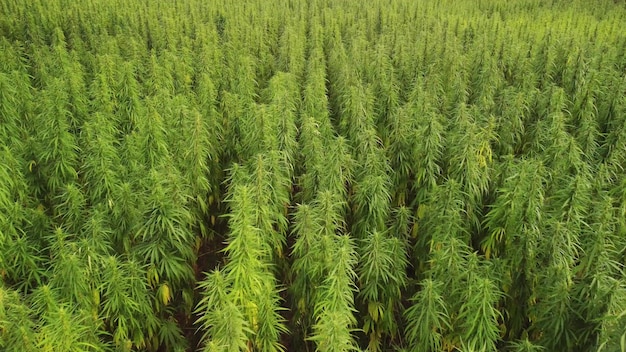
(427, 319)
(322, 175)
(334, 305)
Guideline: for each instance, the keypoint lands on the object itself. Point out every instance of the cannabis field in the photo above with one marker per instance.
(323, 175)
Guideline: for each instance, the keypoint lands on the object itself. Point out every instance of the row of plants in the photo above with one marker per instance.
(321, 175)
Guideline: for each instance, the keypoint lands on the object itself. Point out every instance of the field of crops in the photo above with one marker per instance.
(312, 175)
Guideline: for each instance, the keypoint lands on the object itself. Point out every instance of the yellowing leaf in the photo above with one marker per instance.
(153, 276)
(301, 305)
(421, 210)
(165, 294)
(371, 308)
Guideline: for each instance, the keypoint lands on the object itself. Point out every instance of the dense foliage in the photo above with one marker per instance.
(390, 175)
